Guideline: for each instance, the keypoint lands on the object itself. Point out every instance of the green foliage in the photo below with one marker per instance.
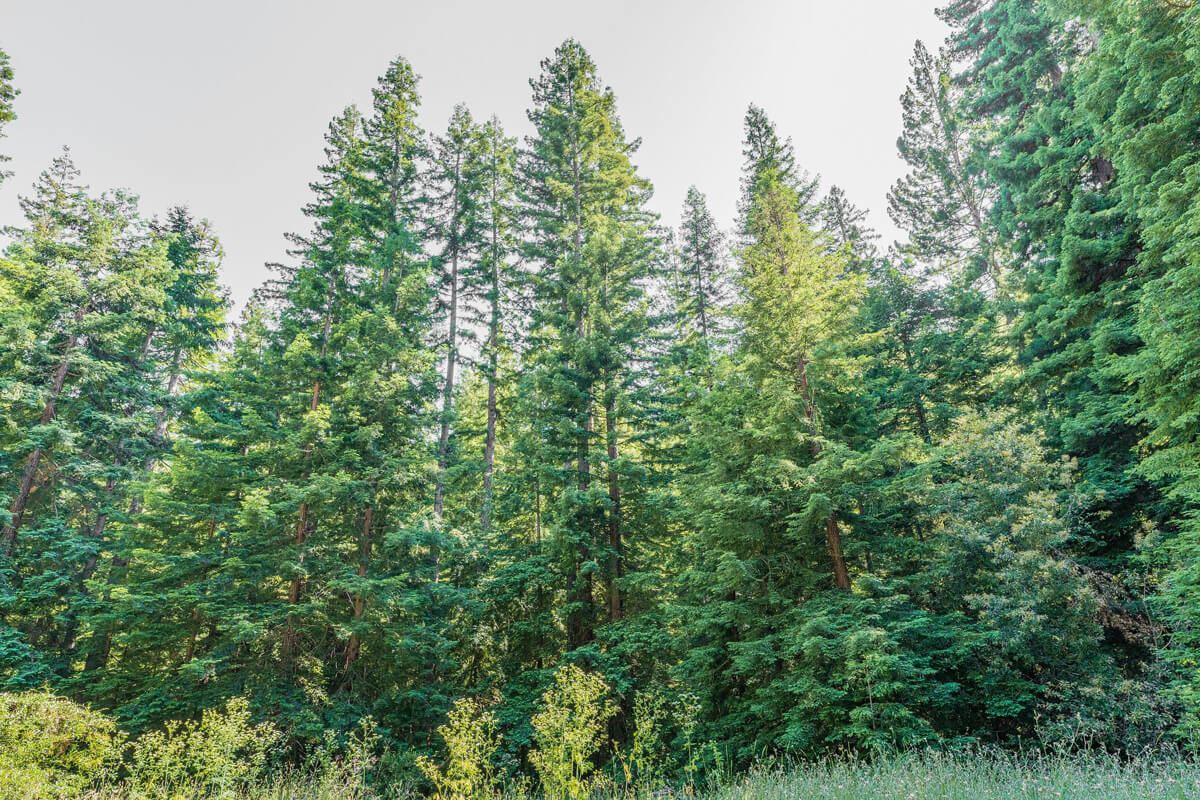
(569, 731)
(51, 747)
(702, 286)
(492, 431)
(645, 765)
(997, 506)
(939, 203)
(8, 93)
(220, 752)
(471, 743)
(1139, 95)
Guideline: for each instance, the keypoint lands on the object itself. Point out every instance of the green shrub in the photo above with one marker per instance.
(220, 752)
(569, 731)
(342, 765)
(51, 747)
(644, 765)
(471, 744)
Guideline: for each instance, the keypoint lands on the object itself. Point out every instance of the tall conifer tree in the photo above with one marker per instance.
(592, 241)
(8, 93)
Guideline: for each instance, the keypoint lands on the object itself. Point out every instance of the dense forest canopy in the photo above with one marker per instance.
(492, 417)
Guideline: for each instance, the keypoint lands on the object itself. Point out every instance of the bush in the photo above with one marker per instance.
(645, 764)
(471, 743)
(51, 747)
(221, 751)
(568, 732)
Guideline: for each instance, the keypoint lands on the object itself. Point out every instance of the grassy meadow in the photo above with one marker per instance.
(908, 777)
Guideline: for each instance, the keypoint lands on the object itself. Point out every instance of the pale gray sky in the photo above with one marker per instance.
(222, 104)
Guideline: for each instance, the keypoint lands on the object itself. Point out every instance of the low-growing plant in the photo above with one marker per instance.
(471, 744)
(569, 731)
(221, 751)
(646, 763)
(51, 747)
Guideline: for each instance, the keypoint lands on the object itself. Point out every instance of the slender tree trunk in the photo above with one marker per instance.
(616, 566)
(702, 307)
(447, 400)
(489, 448)
(393, 196)
(451, 363)
(196, 617)
(303, 528)
(190, 653)
(833, 536)
(364, 557)
(29, 475)
(164, 412)
(537, 512)
(579, 588)
(918, 404)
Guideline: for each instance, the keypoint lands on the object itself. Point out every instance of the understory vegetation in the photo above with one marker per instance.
(75, 753)
(502, 485)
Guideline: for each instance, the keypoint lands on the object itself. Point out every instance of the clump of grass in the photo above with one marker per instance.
(931, 776)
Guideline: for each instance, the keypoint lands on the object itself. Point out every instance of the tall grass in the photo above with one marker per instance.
(959, 777)
(904, 777)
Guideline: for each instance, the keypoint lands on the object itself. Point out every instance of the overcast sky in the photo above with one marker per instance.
(222, 104)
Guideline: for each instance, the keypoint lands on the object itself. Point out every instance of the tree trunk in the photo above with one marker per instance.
(364, 556)
(302, 523)
(489, 448)
(196, 617)
(9, 534)
(616, 564)
(579, 587)
(702, 305)
(451, 362)
(833, 536)
(841, 577)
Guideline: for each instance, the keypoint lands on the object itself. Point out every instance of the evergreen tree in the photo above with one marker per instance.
(496, 273)
(770, 467)
(317, 297)
(703, 287)
(8, 93)
(1068, 246)
(196, 611)
(459, 164)
(940, 203)
(1139, 93)
(815, 300)
(87, 275)
(765, 156)
(592, 246)
(842, 223)
(184, 333)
